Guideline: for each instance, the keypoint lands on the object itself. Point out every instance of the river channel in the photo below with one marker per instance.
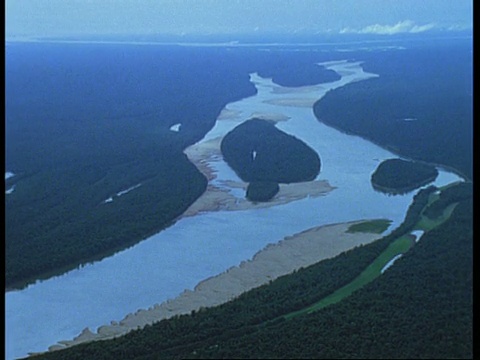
(210, 241)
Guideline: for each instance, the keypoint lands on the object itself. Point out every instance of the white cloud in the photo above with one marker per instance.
(406, 26)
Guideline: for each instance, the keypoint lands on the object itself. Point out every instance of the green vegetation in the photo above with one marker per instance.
(450, 195)
(262, 190)
(420, 106)
(399, 314)
(74, 225)
(397, 176)
(427, 223)
(371, 226)
(397, 247)
(86, 122)
(260, 153)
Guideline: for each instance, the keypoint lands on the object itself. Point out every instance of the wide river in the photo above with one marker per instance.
(208, 243)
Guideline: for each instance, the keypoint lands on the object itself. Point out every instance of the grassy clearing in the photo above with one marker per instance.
(399, 246)
(372, 226)
(427, 224)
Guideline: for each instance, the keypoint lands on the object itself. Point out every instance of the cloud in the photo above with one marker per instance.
(406, 26)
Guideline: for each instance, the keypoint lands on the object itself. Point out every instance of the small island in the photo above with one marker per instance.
(262, 190)
(265, 156)
(397, 176)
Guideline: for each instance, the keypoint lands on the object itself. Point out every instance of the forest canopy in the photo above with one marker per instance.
(396, 176)
(259, 152)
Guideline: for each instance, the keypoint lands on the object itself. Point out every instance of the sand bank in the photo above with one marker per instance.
(296, 102)
(218, 195)
(291, 253)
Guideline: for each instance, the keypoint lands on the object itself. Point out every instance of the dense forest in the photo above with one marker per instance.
(262, 190)
(67, 161)
(418, 309)
(420, 106)
(77, 135)
(259, 152)
(85, 122)
(397, 176)
(450, 195)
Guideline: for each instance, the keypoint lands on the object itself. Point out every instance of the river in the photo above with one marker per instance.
(209, 242)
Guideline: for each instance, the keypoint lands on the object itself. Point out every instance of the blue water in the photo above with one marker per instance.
(207, 244)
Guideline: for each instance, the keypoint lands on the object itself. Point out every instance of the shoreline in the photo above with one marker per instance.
(281, 257)
(395, 151)
(219, 196)
(277, 259)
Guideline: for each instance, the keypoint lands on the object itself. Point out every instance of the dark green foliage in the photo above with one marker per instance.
(262, 190)
(431, 86)
(450, 195)
(258, 151)
(397, 176)
(305, 73)
(86, 122)
(237, 317)
(371, 226)
(73, 224)
(231, 330)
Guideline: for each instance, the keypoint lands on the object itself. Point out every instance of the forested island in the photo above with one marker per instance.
(397, 176)
(264, 156)
(420, 106)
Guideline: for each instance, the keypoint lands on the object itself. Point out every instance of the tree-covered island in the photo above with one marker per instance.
(397, 176)
(264, 156)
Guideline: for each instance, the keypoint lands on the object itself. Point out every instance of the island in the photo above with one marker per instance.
(264, 156)
(397, 176)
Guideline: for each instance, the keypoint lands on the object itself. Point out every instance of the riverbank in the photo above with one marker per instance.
(275, 260)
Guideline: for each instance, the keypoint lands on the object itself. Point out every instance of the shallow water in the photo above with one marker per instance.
(197, 247)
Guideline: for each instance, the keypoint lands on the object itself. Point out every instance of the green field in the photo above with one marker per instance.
(428, 224)
(399, 246)
(372, 226)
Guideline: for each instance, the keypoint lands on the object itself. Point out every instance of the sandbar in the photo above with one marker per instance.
(296, 102)
(275, 260)
(219, 197)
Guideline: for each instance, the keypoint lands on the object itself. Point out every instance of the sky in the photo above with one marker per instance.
(57, 18)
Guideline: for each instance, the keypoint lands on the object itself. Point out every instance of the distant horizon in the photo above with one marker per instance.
(53, 18)
(243, 37)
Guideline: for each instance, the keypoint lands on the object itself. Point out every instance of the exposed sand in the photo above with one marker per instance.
(275, 260)
(306, 102)
(270, 116)
(219, 198)
(297, 90)
(227, 114)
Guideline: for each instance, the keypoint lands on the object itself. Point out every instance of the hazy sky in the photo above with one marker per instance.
(76, 17)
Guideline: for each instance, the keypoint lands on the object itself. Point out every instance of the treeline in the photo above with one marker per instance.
(259, 152)
(84, 122)
(252, 312)
(262, 190)
(74, 225)
(420, 308)
(87, 122)
(420, 91)
(452, 194)
(397, 176)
